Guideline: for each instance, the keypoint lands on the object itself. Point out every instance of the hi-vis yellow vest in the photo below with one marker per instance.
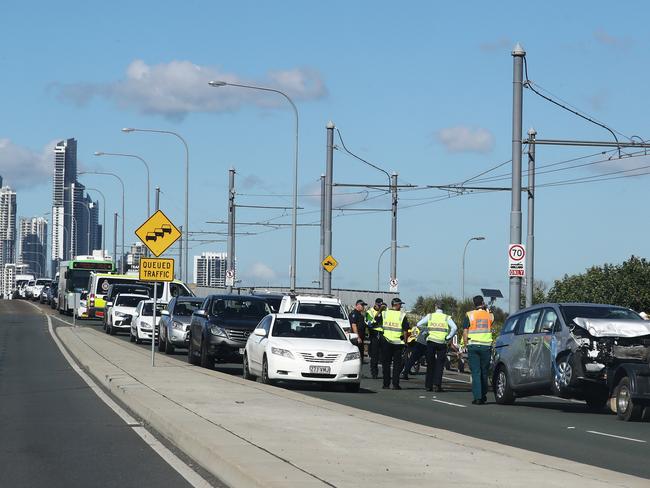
(392, 323)
(438, 328)
(480, 327)
(371, 313)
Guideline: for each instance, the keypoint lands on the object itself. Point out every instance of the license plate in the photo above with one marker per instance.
(319, 369)
(241, 351)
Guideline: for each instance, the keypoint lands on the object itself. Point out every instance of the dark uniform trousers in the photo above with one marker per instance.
(436, 355)
(374, 352)
(391, 353)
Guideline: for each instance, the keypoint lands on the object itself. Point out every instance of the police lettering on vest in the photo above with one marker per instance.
(480, 327)
(392, 323)
(438, 327)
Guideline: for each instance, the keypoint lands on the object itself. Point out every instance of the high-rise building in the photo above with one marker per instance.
(210, 269)
(7, 280)
(7, 228)
(63, 216)
(33, 245)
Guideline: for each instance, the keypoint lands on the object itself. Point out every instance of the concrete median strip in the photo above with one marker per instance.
(253, 435)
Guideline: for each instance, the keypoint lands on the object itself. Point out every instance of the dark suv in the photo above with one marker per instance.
(220, 329)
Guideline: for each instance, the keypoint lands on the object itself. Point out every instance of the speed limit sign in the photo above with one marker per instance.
(516, 260)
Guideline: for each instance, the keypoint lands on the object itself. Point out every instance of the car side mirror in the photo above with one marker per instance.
(165, 313)
(260, 332)
(354, 337)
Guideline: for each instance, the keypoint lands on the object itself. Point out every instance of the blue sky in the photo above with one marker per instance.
(421, 88)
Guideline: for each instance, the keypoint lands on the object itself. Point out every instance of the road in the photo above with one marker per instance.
(544, 424)
(54, 430)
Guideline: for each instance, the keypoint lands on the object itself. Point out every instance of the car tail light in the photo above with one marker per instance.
(92, 300)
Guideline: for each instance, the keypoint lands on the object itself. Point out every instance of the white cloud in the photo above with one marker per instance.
(21, 167)
(466, 139)
(178, 88)
(260, 273)
(497, 45)
(603, 37)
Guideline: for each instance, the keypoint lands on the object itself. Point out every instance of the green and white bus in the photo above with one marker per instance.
(73, 279)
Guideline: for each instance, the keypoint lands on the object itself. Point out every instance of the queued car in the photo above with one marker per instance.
(220, 328)
(122, 310)
(317, 305)
(53, 295)
(142, 323)
(297, 347)
(43, 297)
(28, 290)
(175, 323)
(38, 286)
(112, 292)
(586, 351)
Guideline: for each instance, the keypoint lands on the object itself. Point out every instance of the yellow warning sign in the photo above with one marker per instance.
(329, 263)
(156, 269)
(158, 233)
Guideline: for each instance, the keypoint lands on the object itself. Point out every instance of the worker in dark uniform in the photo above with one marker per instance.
(358, 323)
(395, 327)
(373, 326)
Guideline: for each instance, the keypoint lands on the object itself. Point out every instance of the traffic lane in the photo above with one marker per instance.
(55, 431)
(545, 424)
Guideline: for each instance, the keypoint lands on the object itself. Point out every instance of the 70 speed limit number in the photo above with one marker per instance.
(516, 260)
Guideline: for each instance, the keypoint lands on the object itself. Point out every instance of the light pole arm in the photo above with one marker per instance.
(379, 263)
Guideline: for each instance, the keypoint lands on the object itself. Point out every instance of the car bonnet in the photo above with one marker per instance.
(613, 328)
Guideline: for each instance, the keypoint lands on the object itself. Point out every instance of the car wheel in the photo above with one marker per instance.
(563, 377)
(247, 372)
(352, 387)
(137, 336)
(131, 336)
(503, 393)
(626, 408)
(207, 361)
(161, 342)
(169, 347)
(265, 373)
(191, 357)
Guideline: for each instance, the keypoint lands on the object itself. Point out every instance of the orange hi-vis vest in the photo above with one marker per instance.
(480, 327)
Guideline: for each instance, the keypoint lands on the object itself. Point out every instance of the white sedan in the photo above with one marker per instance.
(298, 347)
(142, 322)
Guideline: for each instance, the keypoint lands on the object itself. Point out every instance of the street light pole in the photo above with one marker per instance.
(294, 216)
(146, 166)
(405, 246)
(462, 279)
(530, 239)
(187, 190)
(123, 215)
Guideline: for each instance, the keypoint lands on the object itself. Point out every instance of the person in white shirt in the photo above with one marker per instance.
(441, 329)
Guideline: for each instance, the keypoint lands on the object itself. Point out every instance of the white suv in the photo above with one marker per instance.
(122, 311)
(317, 305)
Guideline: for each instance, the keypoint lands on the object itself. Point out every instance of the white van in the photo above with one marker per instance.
(317, 305)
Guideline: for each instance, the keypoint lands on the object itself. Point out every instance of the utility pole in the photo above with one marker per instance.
(115, 240)
(515, 211)
(530, 239)
(327, 224)
(180, 254)
(230, 256)
(321, 270)
(393, 231)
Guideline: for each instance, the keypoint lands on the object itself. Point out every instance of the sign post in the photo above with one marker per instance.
(516, 261)
(157, 234)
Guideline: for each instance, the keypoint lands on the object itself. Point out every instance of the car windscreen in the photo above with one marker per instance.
(185, 309)
(127, 301)
(239, 308)
(147, 309)
(570, 312)
(135, 289)
(307, 329)
(327, 309)
(43, 282)
(273, 303)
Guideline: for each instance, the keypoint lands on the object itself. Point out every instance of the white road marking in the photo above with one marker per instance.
(560, 398)
(570, 428)
(454, 379)
(449, 403)
(616, 436)
(422, 396)
(192, 477)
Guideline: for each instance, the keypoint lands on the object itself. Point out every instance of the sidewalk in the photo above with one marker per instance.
(253, 435)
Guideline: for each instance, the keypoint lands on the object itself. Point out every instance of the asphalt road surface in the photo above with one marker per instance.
(54, 430)
(544, 424)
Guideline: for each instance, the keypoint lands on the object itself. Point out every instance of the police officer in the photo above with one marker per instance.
(373, 324)
(395, 326)
(477, 336)
(416, 348)
(358, 323)
(441, 328)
